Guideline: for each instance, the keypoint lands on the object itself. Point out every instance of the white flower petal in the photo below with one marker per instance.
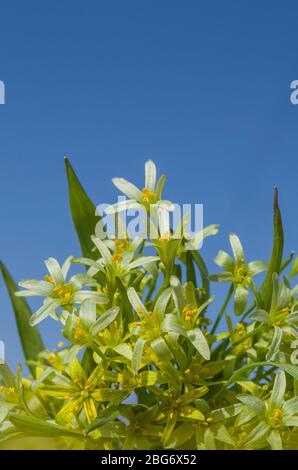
(127, 188)
(122, 206)
(104, 251)
(39, 287)
(136, 301)
(150, 175)
(82, 295)
(66, 266)
(55, 271)
(43, 312)
(142, 261)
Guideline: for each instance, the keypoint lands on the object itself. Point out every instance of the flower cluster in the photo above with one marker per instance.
(148, 358)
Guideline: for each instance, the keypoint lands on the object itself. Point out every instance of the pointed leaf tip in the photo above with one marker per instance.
(83, 211)
(275, 198)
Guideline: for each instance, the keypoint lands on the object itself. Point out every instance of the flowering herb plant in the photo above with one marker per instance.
(147, 361)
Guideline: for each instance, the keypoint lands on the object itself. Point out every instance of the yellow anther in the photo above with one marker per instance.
(165, 237)
(60, 344)
(64, 293)
(51, 357)
(277, 413)
(121, 244)
(7, 390)
(148, 196)
(78, 333)
(117, 258)
(188, 313)
(49, 278)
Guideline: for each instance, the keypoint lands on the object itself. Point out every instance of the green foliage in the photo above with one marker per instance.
(149, 361)
(30, 338)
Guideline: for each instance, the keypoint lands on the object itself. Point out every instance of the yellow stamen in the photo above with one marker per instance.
(117, 258)
(148, 196)
(64, 293)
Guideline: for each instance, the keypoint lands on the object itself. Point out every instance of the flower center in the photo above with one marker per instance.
(64, 293)
(276, 416)
(241, 273)
(121, 244)
(188, 312)
(117, 258)
(148, 196)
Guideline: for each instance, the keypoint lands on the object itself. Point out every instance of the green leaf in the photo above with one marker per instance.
(190, 269)
(180, 435)
(276, 256)
(7, 376)
(109, 394)
(83, 212)
(198, 259)
(109, 414)
(169, 428)
(289, 368)
(191, 396)
(39, 427)
(30, 338)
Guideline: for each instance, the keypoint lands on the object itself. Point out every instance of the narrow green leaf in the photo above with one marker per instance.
(109, 414)
(82, 211)
(39, 427)
(191, 273)
(203, 272)
(30, 338)
(276, 256)
(7, 376)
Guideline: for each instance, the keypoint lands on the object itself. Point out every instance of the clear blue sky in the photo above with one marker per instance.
(200, 87)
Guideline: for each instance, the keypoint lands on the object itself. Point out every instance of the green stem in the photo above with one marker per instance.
(203, 272)
(247, 312)
(190, 269)
(222, 310)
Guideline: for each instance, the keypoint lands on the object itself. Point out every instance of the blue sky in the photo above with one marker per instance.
(202, 88)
